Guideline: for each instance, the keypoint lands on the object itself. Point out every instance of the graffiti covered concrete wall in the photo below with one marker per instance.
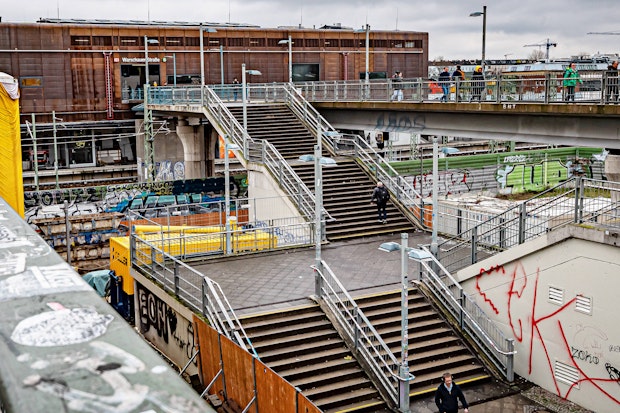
(555, 296)
(505, 173)
(166, 324)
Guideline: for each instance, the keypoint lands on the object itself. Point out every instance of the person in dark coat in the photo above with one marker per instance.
(448, 394)
(380, 196)
(612, 82)
(458, 76)
(444, 82)
(477, 84)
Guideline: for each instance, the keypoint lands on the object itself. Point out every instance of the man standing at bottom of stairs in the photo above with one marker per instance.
(381, 196)
(448, 395)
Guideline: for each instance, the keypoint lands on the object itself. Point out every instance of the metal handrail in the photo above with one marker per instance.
(403, 192)
(530, 219)
(503, 88)
(358, 329)
(177, 278)
(491, 340)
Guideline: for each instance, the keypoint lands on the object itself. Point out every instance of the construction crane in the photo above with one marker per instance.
(547, 44)
(617, 33)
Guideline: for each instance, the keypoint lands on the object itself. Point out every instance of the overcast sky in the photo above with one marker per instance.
(452, 33)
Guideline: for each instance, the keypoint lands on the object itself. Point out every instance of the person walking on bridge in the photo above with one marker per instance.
(458, 76)
(444, 81)
(612, 82)
(397, 85)
(477, 84)
(571, 77)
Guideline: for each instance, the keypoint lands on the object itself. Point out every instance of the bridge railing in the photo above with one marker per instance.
(577, 200)
(505, 88)
(359, 333)
(595, 88)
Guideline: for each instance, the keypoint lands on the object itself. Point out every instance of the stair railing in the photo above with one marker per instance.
(306, 112)
(402, 191)
(359, 149)
(470, 318)
(360, 335)
(263, 151)
(227, 125)
(196, 290)
(559, 206)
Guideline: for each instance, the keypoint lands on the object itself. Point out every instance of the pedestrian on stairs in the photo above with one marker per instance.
(448, 395)
(380, 196)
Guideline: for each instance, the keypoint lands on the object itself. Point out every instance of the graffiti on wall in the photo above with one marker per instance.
(168, 171)
(399, 122)
(524, 175)
(106, 198)
(163, 326)
(450, 182)
(512, 294)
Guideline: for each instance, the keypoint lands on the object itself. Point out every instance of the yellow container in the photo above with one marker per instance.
(120, 262)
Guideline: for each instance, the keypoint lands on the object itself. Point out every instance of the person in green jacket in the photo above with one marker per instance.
(571, 77)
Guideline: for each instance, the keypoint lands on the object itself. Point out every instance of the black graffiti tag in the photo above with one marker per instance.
(399, 122)
(584, 355)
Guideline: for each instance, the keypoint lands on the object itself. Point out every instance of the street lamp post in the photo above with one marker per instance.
(482, 13)
(227, 147)
(222, 65)
(366, 74)
(202, 52)
(404, 375)
(174, 67)
(434, 245)
(244, 96)
(290, 56)
(149, 136)
(404, 330)
(146, 57)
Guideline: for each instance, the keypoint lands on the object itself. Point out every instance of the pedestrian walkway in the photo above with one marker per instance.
(267, 282)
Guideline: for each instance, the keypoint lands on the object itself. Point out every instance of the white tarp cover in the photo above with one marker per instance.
(10, 85)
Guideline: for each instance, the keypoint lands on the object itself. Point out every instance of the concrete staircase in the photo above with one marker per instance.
(434, 348)
(303, 347)
(347, 188)
(346, 196)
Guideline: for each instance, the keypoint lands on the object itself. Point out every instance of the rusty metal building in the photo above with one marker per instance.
(87, 75)
(79, 68)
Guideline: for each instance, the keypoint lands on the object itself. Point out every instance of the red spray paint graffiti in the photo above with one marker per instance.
(518, 290)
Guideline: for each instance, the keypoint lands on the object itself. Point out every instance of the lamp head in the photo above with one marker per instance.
(476, 14)
(419, 255)
(389, 247)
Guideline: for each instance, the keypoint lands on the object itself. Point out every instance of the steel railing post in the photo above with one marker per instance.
(498, 89)
(522, 218)
(579, 190)
(510, 362)
(474, 245)
(176, 278)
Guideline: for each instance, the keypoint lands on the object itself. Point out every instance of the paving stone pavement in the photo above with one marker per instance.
(262, 282)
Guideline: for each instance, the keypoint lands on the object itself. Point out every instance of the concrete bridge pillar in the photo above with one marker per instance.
(191, 133)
